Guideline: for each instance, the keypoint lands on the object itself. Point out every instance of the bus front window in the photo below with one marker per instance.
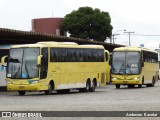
(118, 63)
(22, 63)
(132, 62)
(126, 63)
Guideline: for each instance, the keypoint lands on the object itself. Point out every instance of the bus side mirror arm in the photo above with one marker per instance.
(39, 58)
(3, 60)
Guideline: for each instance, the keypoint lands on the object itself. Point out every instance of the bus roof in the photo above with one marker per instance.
(58, 44)
(132, 48)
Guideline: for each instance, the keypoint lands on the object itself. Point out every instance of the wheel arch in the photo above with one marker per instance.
(142, 80)
(52, 83)
(95, 80)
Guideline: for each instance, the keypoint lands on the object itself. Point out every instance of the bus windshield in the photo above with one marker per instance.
(22, 63)
(126, 63)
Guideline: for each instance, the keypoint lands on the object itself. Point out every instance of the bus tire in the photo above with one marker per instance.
(50, 88)
(92, 89)
(140, 86)
(86, 89)
(130, 86)
(117, 86)
(21, 92)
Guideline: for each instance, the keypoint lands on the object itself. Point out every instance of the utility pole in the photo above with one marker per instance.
(129, 33)
(113, 37)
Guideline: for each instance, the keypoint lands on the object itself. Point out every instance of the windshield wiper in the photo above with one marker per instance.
(27, 70)
(129, 68)
(16, 72)
(121, 69)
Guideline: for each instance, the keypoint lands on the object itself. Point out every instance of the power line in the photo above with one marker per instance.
(143, 35)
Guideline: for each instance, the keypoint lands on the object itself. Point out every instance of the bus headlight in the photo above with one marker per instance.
(34, 82)
(114, 78)
(9, 82)
(136, 78)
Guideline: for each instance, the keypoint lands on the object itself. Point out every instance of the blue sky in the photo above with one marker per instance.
(139, 16)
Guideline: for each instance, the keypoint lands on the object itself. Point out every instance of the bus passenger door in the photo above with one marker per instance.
(44, 63)
(108, 60)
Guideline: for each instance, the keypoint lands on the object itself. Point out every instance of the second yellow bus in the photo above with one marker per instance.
(134, 66)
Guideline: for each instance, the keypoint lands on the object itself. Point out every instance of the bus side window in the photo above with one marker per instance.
(54, 55)
(155, 57)
(101, 56)
(79, 55)
(75, 58)
(143, 58)
(70, 55)
(63, 55)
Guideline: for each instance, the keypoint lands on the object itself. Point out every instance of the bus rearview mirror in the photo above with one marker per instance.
(39, 60)
(3, 60)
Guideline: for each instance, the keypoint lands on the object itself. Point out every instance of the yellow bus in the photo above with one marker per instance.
(60, 66)
(134, 66)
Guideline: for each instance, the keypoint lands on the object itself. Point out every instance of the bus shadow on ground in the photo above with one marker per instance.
(54, 93)
(135, 87)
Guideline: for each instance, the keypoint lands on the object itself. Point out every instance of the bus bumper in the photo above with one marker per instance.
(126, 82)
(31, 87)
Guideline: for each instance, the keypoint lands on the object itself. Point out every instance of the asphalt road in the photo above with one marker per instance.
(103, 99)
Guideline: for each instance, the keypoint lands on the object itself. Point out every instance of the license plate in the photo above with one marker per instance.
(21, 87)
(125, 82)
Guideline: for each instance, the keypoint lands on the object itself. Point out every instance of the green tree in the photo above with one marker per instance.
(88, 23)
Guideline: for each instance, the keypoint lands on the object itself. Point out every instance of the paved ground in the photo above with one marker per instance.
(103, 99)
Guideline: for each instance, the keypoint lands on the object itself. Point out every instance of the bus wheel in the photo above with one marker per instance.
(92, 89)
(50, 88)
(140, 86)
(21, 92)
(87, 86)
(117, 86)
(130, 86)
